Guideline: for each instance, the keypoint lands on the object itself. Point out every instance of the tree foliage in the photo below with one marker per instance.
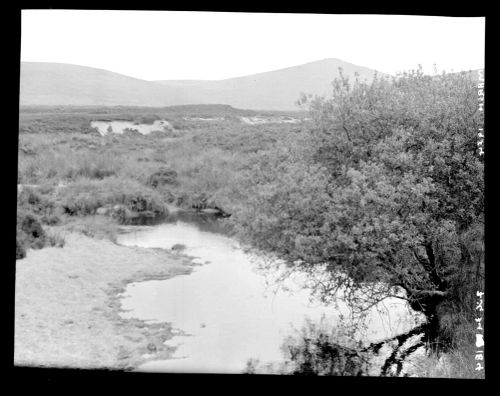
(389, 189)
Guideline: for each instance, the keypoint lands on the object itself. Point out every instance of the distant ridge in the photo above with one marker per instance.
(64, 84)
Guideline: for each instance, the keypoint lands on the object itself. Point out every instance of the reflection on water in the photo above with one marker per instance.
(225, 311)
(117, 126)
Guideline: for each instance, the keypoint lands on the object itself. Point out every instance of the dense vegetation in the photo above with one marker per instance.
(381, 191)
(390, 191)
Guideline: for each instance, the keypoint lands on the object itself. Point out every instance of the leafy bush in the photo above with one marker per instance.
(37, 200)
(30, 233)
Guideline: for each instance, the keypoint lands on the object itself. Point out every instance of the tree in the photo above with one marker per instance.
(388, 195)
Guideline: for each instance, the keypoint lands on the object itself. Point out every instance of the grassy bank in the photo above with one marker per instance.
(67, 305)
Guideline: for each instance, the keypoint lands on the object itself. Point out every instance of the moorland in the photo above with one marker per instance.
(383, 182)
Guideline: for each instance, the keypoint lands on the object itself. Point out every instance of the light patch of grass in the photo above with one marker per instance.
(55, 237)
(98, 227)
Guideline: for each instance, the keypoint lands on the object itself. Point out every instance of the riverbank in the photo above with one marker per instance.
(67, 305)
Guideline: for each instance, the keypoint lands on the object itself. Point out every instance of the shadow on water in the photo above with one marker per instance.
(208, 222)
(145, 219)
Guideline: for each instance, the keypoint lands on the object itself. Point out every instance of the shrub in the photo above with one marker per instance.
(20, 247)
(79, 201)
(147, 119)
(180, 124)
(162, 177)
(30, 231)
(36, 200)
(179, 247)
(50, 219)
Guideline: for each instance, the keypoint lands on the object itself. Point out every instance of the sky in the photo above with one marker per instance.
(165, 45)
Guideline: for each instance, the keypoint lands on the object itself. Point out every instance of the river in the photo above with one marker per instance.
(226, 311)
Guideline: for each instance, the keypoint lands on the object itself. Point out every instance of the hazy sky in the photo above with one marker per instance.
(155, 45)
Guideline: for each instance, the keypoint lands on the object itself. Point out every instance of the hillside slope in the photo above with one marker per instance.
(277, 90)
(64, 84)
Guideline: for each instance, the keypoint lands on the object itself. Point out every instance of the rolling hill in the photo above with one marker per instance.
(64, 84)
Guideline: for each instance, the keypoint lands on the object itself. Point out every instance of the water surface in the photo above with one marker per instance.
(225, 311)
(117, 126)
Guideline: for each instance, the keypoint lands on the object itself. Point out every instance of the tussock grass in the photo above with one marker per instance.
(85, 196)
(93, 166)
(66, 163)
(55, 238)
(37, 200)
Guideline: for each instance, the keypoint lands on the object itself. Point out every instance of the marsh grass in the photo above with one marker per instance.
(65, 163)
(92, 165)
(211, 161)
(84, 196)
